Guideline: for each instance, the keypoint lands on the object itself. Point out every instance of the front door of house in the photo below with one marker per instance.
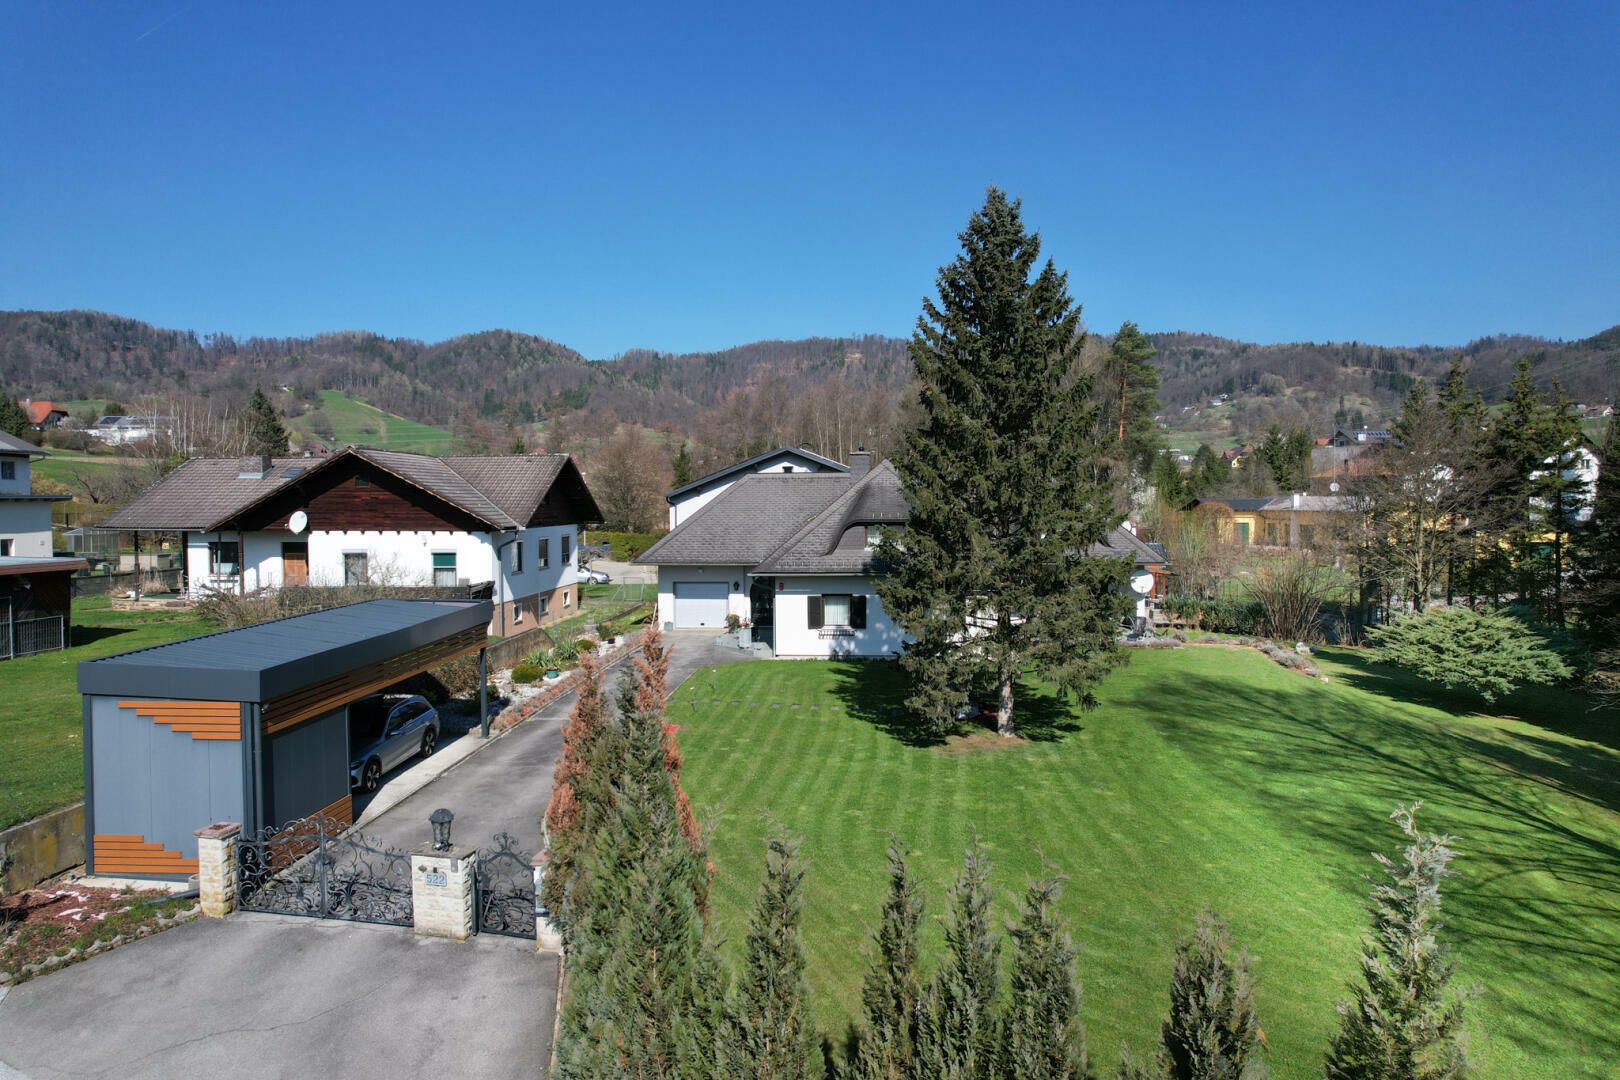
(762, 609)
(295, 564)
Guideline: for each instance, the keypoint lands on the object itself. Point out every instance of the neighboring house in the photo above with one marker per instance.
(688, 499)
(795, 556)
(379, 516)
(1597, 412)
(1579, 472)
(25, 518)
(1295, 520)
(43, 414)
(119, 430)
(36, 603)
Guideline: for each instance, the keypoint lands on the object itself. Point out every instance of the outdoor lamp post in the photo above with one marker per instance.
(440, 820)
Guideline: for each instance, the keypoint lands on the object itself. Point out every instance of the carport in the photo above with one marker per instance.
(247, 726)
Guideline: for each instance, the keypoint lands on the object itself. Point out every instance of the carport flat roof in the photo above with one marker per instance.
(257, 663)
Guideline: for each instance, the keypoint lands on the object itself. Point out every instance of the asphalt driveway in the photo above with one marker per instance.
(505, 786)
(265, 996)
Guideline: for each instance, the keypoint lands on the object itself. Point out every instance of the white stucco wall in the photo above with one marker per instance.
(795, 638)
(28, 526)
(736, 599)
(403, 558)
(693, 501)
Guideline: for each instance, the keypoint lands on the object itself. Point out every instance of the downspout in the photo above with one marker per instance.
(499, 574)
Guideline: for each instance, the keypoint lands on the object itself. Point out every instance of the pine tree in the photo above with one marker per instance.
(1128, 397)
(1208, 471)
(998, 476)
(576, 805)
(1518, 447)
(769, 1035)
(681, 466)
(957, 1036)
(1167, 480)
(1555, 493)
(13, 420)
(1287, 455)
(1403, 1022)
(892, 989)
(1212, 1032)
(1596, 597)
(265, 433)
(1042, 1036)
(635, 946)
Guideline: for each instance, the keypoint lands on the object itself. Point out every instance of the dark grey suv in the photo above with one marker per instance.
(385, 731)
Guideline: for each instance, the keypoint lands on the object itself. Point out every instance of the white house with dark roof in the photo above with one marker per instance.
(363, 515)
(25, 518)
(688, 499)
(794, 555)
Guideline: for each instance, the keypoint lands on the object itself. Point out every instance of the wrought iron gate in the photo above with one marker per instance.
(312, 867)
(505, 900)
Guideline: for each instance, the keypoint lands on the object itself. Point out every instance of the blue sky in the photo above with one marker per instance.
(692, 177)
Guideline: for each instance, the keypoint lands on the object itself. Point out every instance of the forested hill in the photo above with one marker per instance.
(502, 375)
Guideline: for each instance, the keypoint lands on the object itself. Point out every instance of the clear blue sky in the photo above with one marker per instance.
(618, 176)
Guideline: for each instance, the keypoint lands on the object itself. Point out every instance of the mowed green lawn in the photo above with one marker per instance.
(41, 718)
(1208, 776)
(356, 422)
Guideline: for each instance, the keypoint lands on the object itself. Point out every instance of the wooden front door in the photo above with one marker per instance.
(295, 564)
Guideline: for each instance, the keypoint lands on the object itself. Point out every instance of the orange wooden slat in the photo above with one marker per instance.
(110, 836)
(217, 736)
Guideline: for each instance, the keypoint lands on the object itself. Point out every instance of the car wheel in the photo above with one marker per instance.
(430, 739)
(371, 776)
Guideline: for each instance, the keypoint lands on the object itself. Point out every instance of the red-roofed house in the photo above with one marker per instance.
(43, 414)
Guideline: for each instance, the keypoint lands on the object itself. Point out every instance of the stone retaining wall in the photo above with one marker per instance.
(42, 848)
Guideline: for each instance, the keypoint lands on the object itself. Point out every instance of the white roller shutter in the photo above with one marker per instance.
(700, 603)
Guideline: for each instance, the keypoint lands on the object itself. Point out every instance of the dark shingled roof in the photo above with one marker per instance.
(747, 465)
(10, 444)
(749, 521)
(203, 493)
(256, 663)
(792, 523)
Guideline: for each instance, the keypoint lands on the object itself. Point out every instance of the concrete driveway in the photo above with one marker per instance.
(263, 996)
(505, 787)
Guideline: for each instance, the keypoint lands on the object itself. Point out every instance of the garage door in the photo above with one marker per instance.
(700, 603)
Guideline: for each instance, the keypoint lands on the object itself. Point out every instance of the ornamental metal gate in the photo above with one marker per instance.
(312, 867)
(505, 900)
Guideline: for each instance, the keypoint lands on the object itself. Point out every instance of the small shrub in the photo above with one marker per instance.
(584, 645)
(459, 677)
(526, 672)
(1488, 653)
(733, 622)
(1289, 592)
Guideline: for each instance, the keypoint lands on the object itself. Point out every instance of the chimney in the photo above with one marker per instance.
(264, 463)
(860, 463)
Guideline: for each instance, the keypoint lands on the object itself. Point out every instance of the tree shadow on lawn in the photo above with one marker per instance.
(1537, 887)
(88, 635)
(874, 691)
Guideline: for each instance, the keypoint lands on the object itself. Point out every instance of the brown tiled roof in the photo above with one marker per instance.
(814, 548)
(205, 492)
(39, 411)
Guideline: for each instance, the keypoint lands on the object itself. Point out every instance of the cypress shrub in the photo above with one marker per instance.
(769, 1035)
(1043, 1038)
(892, 989)
(957, 1037)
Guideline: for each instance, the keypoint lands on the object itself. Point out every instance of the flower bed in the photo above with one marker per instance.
(48, 927)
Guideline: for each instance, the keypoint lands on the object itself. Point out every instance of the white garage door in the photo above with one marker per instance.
(700, 603)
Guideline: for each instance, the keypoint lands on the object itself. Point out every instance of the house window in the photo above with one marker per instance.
(567, 544)
(565, 598)
(1243, 532)
(224, 558)
(354, 568)
(361, 481)
(542, 557)
(837, 611)
(545, 605)
(5, 548)
(517, 556)
(8, 470)
(444, 569)
(517, 611)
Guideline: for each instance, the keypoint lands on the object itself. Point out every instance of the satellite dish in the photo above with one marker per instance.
(1142, 582)
(298, 522)
(1334, 487)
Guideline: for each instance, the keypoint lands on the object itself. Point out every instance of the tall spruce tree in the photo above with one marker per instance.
(1212, 1032)
(1042, 1037)
(1403, 1022)
(263, 427)
(770, 1035)
(957, 1033)
(1557, 493)
(1596, 599)
(681, 466)
(892, 990)
(1518, 447)
(1001, 480)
